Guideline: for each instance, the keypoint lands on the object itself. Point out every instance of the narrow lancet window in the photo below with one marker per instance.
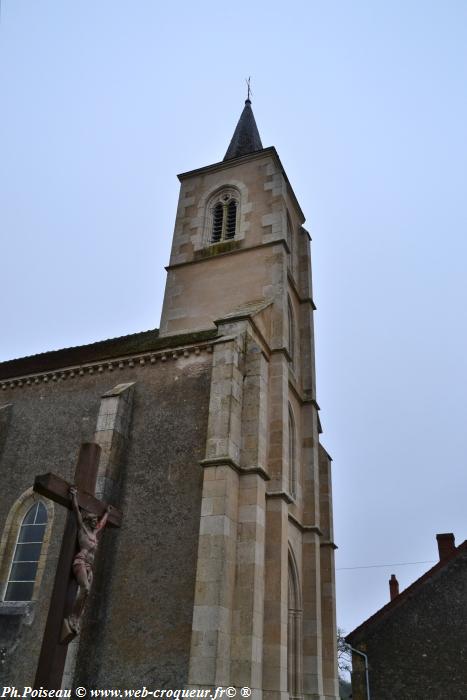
(291, 338)
(223, 216)
(292, 456)
(289, 243)
(27, 552)
(294, 635)
(217, 219)
(231, 219)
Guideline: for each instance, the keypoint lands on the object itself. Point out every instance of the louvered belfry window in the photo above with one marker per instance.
(217, 221)
(224, 218)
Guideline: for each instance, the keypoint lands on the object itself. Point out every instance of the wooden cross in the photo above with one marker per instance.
(54, 650)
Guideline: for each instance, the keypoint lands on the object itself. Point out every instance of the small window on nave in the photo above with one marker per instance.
(26, 555)
(223, 217)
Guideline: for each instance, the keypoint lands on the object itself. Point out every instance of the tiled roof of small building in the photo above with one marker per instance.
(405, 595)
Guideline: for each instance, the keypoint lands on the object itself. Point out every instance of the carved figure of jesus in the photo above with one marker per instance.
(89, 527)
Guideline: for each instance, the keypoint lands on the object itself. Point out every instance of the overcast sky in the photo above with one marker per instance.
(103, 103)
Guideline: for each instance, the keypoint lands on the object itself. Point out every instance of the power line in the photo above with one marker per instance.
(383, 566)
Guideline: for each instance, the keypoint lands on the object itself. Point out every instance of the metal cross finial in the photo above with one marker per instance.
(247, 80)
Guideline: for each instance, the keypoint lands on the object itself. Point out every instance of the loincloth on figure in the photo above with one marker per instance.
(81, 560)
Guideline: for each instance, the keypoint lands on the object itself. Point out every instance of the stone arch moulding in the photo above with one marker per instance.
(222, 199)
(201, 237)
(294, 631)
(9, 538)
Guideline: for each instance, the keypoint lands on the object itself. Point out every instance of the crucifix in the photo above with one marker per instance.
(86, 517)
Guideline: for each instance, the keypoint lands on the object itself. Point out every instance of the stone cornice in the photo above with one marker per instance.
(259, 337)
(226, 164)
(229, 462)
(294, 288)
(300, 395)
(236, 251)
(280, 494)
(103, 351)
(99, 367)
(255, 332)
(282, 350)
(305, 528)
(305, 232)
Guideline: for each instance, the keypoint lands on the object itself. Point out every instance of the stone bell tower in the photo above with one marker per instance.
(264, 608)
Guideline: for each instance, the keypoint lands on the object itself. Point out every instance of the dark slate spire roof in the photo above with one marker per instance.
(246, 135)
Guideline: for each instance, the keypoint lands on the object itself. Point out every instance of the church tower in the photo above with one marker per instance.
(222, 572)
(264, 609)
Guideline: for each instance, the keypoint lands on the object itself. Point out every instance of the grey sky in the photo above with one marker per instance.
(102, 104)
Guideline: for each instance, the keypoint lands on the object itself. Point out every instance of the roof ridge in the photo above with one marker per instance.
(82, 345)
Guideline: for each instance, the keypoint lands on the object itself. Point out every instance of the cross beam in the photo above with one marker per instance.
(57, 489)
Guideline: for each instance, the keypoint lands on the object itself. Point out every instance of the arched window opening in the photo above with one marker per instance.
(217, 223)
(291, 339)
(223, 216)
(294, 633)
(292, 456)
(27, 553)
(231, 219)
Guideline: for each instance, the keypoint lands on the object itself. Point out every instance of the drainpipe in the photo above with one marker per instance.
(367, 682)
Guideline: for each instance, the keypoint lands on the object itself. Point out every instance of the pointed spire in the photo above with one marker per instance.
(246, 137)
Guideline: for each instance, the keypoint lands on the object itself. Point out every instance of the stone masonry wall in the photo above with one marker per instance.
(138, 625)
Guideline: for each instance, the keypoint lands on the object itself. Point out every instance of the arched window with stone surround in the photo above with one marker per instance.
(223, 214)
(23, 548)
(27, 553)
(294, 633)
(292, 455)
